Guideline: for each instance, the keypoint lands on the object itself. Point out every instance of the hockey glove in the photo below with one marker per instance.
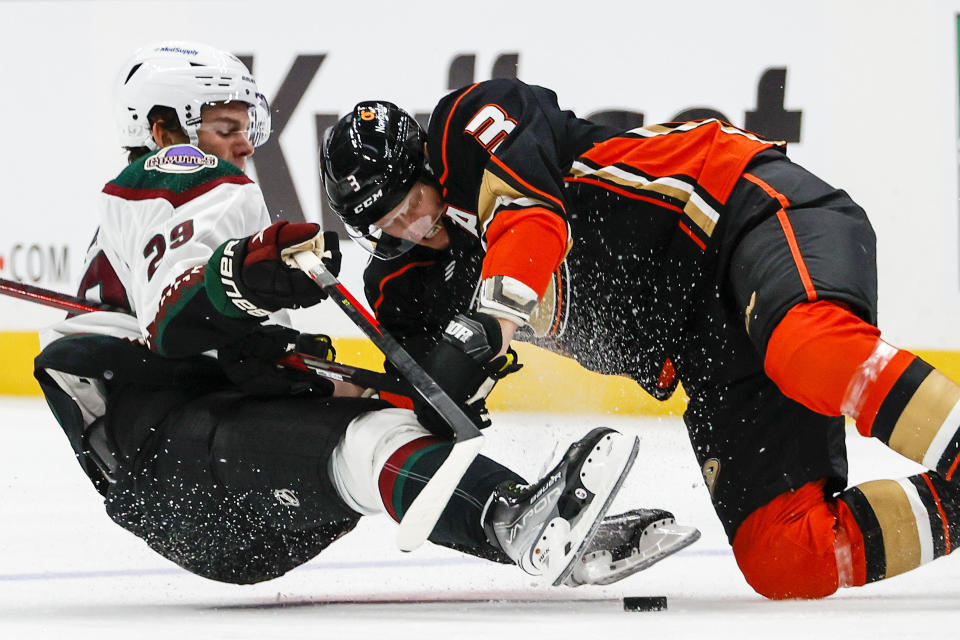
(463, 365)
(254, 274)
(317, 345)
(251, 362)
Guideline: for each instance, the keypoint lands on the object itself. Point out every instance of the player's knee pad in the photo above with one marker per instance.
(788, 548)
(367, 444)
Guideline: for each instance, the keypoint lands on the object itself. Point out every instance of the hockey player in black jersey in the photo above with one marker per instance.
(224, 463)
(691, 252)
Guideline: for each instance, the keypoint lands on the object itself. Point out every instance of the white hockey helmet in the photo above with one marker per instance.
(184, 76)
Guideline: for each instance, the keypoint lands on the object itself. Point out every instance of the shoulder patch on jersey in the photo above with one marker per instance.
(178, 174)
(180, 158)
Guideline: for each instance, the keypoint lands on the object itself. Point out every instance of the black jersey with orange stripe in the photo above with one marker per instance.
(416, 294)
(643, 210)
(501, 149)
(504, 138)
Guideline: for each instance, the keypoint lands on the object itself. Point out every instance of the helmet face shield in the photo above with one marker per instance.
(414, 217)
(260, 121)
(258, 126)
(258, 110)
(378, 244)
(403, 227)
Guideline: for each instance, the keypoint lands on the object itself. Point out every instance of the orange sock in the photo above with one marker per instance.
(831, 361)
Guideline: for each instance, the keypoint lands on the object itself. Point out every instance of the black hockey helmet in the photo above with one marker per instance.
(369, 161)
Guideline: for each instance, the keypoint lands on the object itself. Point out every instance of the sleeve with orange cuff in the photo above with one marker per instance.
(524, 248)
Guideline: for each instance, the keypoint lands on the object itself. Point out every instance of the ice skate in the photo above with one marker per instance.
(630, 542)
(547, 526)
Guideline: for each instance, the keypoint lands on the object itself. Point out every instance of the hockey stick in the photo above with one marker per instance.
(299, 361)
(53, 299)
(422, 516)
(346, 373)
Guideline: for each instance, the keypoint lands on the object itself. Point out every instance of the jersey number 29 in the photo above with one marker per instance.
(157, 245)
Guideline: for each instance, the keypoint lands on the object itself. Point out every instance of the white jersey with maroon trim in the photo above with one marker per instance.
(160, 221)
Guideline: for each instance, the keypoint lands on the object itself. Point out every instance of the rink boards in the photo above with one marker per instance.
(547, 382)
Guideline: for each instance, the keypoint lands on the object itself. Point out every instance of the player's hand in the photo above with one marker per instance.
(464, 366)
(251, 362)
(317, 345)
(326, 247)
(260, 269)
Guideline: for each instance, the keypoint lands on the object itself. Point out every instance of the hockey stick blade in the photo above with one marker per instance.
(418, 522)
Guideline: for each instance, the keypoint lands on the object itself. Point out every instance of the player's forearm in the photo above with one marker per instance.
(507, 329)
(240, 285)
(188, 323)
(524, 248)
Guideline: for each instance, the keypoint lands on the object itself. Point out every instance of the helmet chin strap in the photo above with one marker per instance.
(190, 129)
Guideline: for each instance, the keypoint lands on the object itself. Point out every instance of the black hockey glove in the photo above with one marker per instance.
(254, 278)
(251, 362)
(463, 365)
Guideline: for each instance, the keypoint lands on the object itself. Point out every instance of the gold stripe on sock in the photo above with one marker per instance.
(924, 415)
(898, 526)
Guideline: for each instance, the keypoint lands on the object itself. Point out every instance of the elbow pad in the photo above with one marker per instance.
(507, 298)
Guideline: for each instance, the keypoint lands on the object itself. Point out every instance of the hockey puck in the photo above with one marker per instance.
(645, 603)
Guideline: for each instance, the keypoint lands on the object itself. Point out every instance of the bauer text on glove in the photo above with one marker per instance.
(251, 276)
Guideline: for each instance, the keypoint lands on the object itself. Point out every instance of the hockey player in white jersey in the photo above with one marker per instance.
(228, 465)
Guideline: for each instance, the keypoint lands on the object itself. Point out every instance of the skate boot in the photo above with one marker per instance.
(630, 542)
(546, 527)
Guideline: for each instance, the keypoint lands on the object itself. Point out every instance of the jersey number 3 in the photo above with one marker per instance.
(490, 126)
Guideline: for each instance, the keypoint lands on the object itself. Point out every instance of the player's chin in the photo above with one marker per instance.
(436, 238)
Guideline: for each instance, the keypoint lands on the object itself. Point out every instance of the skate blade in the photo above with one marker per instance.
(666, 539)
(597, 512)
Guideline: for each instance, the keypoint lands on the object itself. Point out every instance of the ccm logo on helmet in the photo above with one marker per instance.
(369, 201)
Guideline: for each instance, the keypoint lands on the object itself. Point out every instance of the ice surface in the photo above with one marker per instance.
(67, 571)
